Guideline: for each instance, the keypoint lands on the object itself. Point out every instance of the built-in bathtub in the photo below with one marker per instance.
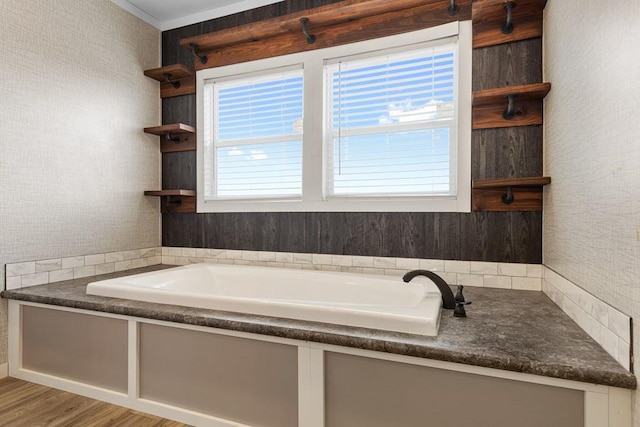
(370, 301)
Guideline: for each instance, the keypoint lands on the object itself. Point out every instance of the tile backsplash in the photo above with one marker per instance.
(608, 326)
(468, 273)
(31, 273)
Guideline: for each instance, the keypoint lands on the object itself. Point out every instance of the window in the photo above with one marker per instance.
(382, 125)
(391, 128)
(256, 135)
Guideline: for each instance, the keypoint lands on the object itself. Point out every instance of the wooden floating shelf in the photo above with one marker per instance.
(323, 16)
(497, 96)
(534, 181)
(175, 201)
(347, 21)
(182, 80)
(491, 106)
(508, 194)
(490, 17)
(174, 137)
(162, 193)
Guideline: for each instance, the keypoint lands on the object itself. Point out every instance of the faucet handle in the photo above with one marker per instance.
(459, 296)
(459, 311)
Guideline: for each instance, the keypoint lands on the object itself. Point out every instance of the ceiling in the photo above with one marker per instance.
(169, 14)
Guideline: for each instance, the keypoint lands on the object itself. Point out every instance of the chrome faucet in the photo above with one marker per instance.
(448, 300)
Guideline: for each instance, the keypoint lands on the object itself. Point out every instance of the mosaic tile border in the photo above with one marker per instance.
(23, 274)
(608, 326)
(468, 273)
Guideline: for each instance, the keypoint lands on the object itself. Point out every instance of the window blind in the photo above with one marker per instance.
(257, 136)
(391, 124)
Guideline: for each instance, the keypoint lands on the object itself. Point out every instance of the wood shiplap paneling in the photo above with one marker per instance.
(478, 236)
(507, 64)
(503, 236)
(183, 230)
(506, 152)
(179, 170)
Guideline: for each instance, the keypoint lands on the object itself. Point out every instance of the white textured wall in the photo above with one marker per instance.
(592, 150)
(73, 159)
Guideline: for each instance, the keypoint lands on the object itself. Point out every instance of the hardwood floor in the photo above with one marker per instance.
(24, 404)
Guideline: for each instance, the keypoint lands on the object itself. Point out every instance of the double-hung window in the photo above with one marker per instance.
(382, 125)
(391, 127)
(256, 134)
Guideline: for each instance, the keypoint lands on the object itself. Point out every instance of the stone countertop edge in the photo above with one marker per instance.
(519, 331)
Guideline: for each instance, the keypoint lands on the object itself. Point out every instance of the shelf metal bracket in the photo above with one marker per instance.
(510, 111)
(453, 8)
(507, 28)
(194, 51)
(174, 200)
(167, 78)
(508, 198)
(305, 30)
(175, 139)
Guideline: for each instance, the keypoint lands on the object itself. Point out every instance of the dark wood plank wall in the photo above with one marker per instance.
(478, 236)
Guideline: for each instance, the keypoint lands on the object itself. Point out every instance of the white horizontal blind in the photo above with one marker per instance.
(257, 136)
(391, 124)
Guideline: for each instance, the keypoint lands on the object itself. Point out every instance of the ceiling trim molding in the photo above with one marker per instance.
(236, 7)
(124, 4)
(170, 24)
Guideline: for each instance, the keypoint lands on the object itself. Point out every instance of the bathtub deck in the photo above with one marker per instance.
(519, 331)
(26, 404)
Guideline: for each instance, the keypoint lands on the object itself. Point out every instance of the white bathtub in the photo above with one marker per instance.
(370, 301)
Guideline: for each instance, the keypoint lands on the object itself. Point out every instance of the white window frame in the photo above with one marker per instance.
(313, 199)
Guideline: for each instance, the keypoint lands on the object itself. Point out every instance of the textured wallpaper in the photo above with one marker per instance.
(592, 150)
(73, 158)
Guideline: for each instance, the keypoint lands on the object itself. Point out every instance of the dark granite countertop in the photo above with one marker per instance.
(520, 331)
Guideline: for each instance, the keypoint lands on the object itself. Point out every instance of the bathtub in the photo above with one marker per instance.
(369, 301)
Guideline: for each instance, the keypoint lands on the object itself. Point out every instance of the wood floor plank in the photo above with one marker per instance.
(26, 401)
(23, 413)
(135, 420)
(102, 415)
(24, 404)
(8, 395)
(8, 383)
(57, 405)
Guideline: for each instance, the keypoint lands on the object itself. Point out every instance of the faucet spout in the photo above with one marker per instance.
(448, 300)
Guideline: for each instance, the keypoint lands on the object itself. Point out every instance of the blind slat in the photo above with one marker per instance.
(407, 77)
(264, 102)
